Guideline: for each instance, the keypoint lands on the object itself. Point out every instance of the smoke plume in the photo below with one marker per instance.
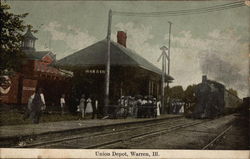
(223, 71)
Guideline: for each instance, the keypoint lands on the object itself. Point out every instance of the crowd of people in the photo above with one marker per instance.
(176, 106)
(127, 106)
(138, 107)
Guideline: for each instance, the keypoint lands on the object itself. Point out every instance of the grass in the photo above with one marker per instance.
(14, 117)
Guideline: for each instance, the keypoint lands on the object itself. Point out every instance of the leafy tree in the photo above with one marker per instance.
(11, 29)
(189, 94)
(175, 92)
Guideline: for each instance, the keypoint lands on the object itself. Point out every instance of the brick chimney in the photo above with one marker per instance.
(121, 38)
(204, 78)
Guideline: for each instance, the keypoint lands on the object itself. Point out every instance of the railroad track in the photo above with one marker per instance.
(42, 139)
(217, 138)
(107, 138)
(82, 136)
(144, 135)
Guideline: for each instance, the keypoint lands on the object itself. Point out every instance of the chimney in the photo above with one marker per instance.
(204, 78)
(121, 38)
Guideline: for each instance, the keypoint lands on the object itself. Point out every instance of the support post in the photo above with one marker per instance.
(107, 77)
(163, 83)
(149, 87)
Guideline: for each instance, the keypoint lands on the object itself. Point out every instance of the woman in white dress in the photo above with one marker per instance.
(89, 108)
(82, 105)
(158, 108)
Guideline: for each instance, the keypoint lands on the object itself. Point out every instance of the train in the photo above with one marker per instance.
(214, 100)
(244, 109)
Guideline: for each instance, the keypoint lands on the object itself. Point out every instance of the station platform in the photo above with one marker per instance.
(17, 131)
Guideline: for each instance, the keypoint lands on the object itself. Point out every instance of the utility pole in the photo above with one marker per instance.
(107, 78)
(163, 56)
(169, 42)
(249, 73)
(168, 57)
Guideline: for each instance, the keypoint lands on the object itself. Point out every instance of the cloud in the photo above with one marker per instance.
(138, 37)
(221, 55)
(214, 34)
(53, 27)
(74, 37)
(40, 46)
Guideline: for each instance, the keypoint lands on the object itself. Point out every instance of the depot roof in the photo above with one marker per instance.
(96, 55)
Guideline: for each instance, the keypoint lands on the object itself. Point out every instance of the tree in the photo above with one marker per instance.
(175, 92)
(189, 96)
(11, 29)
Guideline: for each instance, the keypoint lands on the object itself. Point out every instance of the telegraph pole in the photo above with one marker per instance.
(249, 73)
(168, 57)
(107, 78)
(169, 42)
(163, 56)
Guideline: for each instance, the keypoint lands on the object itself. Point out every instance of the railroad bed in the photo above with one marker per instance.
(203, 135)
(116, 135)
(14, 135)
(166, 133)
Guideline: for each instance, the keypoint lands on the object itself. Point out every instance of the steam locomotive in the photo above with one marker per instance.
(213, 100)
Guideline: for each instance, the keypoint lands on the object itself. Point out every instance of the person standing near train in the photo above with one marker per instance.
(28, 110)
(96, 110)
(158, 107)
(82, 106)
(42, 98)
(139, 107)
(37, 105)
(89, 107)
(62, 103)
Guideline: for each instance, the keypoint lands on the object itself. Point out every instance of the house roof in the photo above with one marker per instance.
(96, 55)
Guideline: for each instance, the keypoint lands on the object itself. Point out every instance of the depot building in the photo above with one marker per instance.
(130, 73)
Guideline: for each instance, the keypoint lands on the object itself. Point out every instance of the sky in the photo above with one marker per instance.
(215, 44)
